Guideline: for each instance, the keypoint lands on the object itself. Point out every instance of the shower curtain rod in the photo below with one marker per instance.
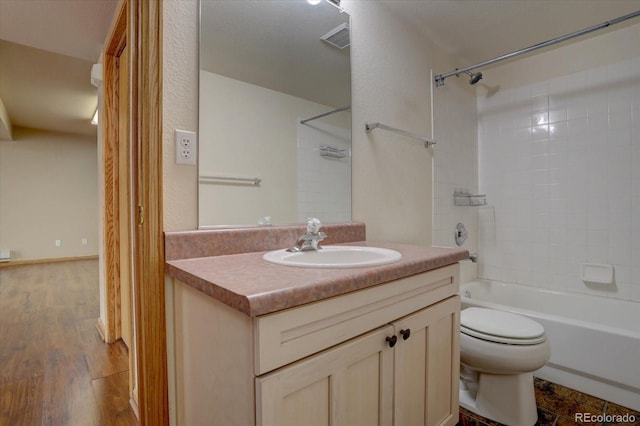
(345, 108)
(439, 79)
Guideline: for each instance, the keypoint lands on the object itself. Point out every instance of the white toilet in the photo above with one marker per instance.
(499, 352)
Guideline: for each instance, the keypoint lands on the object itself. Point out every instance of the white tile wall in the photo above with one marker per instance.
(560, 164)
(324, 184)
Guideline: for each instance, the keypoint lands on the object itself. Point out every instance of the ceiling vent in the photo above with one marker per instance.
(338, 37)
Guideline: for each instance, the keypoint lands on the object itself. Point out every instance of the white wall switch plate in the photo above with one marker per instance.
(186, 147)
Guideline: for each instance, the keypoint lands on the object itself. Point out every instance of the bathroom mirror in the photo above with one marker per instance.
(264, 68)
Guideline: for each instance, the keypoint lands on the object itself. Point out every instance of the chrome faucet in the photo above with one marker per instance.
(310, 240)
(473, 257)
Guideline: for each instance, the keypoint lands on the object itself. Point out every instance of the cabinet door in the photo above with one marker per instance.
(427, 366)
(350, 385)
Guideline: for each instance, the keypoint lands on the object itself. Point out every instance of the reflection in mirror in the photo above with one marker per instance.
(264, 68)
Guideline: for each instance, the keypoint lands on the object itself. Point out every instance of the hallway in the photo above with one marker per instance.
(55, 369)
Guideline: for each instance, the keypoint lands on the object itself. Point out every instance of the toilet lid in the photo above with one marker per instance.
(500, 326)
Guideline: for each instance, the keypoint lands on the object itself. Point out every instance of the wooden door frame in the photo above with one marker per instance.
(140, 22)
(149, 290)
(110, 123)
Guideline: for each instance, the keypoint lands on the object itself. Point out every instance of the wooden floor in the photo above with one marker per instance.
(54, 368)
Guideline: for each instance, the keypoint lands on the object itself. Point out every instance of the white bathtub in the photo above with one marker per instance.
(595, 341)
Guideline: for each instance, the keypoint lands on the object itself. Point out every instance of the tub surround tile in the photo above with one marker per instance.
(255, 287)
(572, 191)
(216, 242)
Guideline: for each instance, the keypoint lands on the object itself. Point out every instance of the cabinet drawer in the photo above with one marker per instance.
(290, 335)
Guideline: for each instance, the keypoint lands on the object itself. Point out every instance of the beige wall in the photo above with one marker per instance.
(230, 147)
(600, 48)
(180, 110)
(6, 129)
(392, 175)
(48, 192)
(455, 164)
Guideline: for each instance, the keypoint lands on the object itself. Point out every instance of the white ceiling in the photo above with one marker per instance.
(278, 46)
(74, 28)
(46, 90)
(47, 48)
(472, 30)
(478, 30)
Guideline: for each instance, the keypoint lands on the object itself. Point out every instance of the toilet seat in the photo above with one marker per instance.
(500, 327)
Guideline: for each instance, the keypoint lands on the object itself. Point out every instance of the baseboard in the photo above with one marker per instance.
(50, 260)
(134, 407)
(100, 328)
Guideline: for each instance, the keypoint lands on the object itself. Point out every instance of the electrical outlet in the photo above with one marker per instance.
(186, 147)
(84, 241)
(58, 243)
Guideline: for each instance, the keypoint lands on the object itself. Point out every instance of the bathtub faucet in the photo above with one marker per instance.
(473, 257)
(310, 240)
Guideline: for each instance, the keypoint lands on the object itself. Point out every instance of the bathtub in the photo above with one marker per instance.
(595, 341)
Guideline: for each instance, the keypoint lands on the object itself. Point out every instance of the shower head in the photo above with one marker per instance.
(474, 77)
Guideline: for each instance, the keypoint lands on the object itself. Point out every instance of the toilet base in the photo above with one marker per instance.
(508, 399)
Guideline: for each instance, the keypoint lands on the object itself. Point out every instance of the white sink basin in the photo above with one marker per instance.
(334, 257)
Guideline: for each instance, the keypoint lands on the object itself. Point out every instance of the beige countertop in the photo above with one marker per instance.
(256, 287)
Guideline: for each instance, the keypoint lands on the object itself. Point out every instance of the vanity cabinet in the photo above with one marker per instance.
(384, 355)
(400, 374)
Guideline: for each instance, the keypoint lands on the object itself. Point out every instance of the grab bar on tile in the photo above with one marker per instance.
(368, 127)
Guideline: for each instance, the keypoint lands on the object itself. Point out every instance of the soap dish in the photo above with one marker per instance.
(597, 273)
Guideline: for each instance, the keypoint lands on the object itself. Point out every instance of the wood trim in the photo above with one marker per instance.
(116, 41)
(143, 32)
(47, 260)
(124, 202)
(116, 161)
(111, 256)
(146, 126)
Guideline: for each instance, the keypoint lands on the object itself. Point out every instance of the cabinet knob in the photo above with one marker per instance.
(405, 333)
(392, 340)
